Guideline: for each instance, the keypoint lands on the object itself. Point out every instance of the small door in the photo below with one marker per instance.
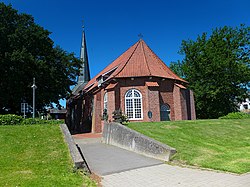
(165, 112)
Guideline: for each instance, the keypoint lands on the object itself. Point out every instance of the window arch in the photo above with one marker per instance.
(105, 101)
(133, 104)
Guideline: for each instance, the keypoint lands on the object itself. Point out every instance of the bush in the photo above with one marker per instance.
(119, 117)
(105, 115)
(236, 115)
(10, 119)
(31, 121)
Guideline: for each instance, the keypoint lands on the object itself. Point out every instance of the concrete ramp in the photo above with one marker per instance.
(106, 159)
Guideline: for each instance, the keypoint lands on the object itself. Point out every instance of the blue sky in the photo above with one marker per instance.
(112, 26)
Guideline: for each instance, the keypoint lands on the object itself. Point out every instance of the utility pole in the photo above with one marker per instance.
(34, 95)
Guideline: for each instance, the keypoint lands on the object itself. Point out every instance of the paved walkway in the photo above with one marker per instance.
(105, 159)
(121, 168)
(173, 176)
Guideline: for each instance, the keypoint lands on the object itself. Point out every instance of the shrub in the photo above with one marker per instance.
(31, 121)
(10, 119)
(119, 116)
(105, 115)
(236, 115)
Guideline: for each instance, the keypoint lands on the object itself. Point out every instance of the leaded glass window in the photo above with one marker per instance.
(105, 101)
(133, 104)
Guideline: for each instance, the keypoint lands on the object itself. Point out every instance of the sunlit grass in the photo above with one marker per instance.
(217, 144)
(36, 155)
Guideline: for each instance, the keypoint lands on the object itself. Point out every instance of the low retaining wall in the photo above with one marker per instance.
(74, 152)
(126, 138)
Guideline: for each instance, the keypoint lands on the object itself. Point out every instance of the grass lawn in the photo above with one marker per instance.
(36, 155)
(217, 144)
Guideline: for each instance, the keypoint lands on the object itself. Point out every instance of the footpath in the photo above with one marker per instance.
(121, 168)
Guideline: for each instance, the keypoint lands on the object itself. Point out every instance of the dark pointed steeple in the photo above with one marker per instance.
(84, 76)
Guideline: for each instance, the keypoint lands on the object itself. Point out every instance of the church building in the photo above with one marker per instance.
(138, 82)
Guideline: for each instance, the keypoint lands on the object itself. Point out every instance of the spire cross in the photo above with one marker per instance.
(82, 23)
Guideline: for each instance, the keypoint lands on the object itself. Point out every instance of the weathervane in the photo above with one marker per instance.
(140, 36)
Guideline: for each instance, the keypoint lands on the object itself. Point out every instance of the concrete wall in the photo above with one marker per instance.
(121, 136)
(74, 153)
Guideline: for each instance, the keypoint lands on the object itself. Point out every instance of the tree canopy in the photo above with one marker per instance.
(27, 51)
(217, 67)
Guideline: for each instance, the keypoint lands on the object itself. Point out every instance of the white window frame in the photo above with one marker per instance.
(133, 103)
(105, 101)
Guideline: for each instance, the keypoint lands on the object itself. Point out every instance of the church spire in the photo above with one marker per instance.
(84, 76)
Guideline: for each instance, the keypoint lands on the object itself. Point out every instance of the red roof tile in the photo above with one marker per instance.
(153, 84)
(117, 63)
(180, 86)
(138, 61)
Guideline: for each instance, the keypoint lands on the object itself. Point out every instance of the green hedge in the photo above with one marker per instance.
(11, 119)
(31, 121)
(236, 115)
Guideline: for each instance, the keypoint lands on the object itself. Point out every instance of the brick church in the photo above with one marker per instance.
(138, 82)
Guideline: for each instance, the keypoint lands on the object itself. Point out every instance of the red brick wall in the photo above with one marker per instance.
(111, 104)
(117, 97)
(177, 103)
(153, 104)
(166, 95)
(184, 104)
(97, 113)
(152, 97)
(137, 83)
(192, 105)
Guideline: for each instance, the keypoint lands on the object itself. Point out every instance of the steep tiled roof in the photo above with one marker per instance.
(138, 61)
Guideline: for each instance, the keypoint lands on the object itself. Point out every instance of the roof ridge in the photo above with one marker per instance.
(143, 50)
(127, 60)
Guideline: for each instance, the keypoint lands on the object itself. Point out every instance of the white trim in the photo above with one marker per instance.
(133, 103)
(105, 100)
(109, 71)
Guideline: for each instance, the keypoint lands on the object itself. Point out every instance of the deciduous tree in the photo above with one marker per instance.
(217, 66)
(27, 51)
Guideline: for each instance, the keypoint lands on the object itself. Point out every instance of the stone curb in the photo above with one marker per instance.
(74, 152)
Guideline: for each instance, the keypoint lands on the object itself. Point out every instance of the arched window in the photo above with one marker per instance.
(105, 101)
(133, 104)
(165, 112)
